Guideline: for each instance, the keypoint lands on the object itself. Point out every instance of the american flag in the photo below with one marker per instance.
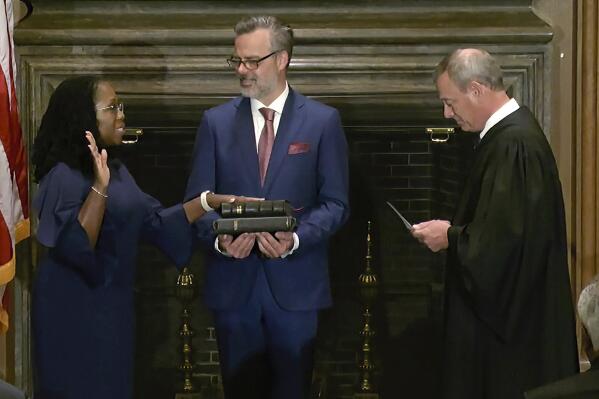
(14, 203)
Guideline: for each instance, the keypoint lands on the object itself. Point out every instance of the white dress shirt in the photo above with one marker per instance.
(501, 113)
(277, 105)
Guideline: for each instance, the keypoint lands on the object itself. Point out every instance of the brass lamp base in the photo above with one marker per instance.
(364, 395)
(195, 395)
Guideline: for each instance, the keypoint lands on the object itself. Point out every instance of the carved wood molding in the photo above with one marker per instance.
(166, 59)
(587, 202)
(173, 90)
(208, 22)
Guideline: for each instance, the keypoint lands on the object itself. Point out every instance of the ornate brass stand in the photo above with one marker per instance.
(186, 292)
(368, 292)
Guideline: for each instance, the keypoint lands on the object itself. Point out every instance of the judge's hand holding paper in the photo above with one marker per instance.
(433, 233)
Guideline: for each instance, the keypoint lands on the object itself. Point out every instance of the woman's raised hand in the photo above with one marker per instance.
(101, 170)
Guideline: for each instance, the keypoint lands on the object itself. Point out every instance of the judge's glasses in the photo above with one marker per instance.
(251, 65)
(114, 108)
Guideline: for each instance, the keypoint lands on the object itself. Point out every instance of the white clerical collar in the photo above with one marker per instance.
(278, 104)
(501, 113)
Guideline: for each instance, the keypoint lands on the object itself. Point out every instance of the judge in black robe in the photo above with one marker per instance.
(509, 320)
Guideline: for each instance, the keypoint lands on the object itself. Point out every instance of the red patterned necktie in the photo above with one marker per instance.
(267, 138)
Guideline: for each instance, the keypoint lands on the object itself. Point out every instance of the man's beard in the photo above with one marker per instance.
(249, 92)
(258, 90)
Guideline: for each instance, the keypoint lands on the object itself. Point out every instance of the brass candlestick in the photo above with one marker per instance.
(368, 292)
(186, 292)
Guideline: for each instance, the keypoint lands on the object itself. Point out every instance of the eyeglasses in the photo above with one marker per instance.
(113, 108)
(251, 65)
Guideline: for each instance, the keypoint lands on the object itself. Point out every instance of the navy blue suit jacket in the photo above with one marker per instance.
(308, 167)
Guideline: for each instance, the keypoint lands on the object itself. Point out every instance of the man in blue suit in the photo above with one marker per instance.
(266, 289)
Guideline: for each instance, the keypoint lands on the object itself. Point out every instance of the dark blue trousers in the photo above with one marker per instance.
(265, 351)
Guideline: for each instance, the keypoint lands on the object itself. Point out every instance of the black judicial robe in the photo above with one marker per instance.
(509, 321)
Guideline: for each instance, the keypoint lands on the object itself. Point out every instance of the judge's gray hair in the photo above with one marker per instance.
(588, 310)
(466, 65)
(281, 37)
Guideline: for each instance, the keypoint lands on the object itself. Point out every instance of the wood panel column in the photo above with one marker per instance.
(586, 261)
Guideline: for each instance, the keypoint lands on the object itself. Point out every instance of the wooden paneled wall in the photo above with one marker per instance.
(586, 261)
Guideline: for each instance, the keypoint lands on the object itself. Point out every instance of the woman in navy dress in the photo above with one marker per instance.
(92, 215)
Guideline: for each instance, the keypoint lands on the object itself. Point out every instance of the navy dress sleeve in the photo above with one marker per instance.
(59, 199)
(168, 229)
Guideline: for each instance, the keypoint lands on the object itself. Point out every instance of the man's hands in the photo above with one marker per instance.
(239, 247)
(274, 247)
(433, 234)
(271, 246)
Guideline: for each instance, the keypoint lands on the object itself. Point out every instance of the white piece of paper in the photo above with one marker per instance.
(403, 219)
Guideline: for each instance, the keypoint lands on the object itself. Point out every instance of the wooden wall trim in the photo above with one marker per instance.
(587, 262)
(207, 22)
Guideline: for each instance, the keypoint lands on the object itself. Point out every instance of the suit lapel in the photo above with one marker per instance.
(246, 139)
(290, 124)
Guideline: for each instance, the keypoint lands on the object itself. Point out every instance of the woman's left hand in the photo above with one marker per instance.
(100, 162)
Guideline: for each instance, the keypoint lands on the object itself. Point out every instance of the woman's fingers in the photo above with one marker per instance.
(90, 138)
(93, 148)
(100, 160)
(104, 156)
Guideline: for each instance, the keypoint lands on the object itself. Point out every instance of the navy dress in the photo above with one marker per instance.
(83, 311)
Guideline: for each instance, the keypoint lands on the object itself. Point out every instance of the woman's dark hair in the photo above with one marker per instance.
(61, 136)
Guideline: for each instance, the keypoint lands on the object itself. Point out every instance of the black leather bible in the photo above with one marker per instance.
(256, 209)
(271, 224)
(250, 217)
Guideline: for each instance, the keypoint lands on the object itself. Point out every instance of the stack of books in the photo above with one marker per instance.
(255, 216)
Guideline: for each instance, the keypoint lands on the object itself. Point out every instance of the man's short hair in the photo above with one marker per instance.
(466, 65)
(588, 310)
(281, 37)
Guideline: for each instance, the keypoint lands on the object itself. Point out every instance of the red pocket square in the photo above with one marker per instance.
(298, 148)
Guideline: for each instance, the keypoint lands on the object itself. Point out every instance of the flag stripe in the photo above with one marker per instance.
(22, 230)
(6, 245)
(7, 270)
(14, 201)
(4, 304)
(10, 129)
